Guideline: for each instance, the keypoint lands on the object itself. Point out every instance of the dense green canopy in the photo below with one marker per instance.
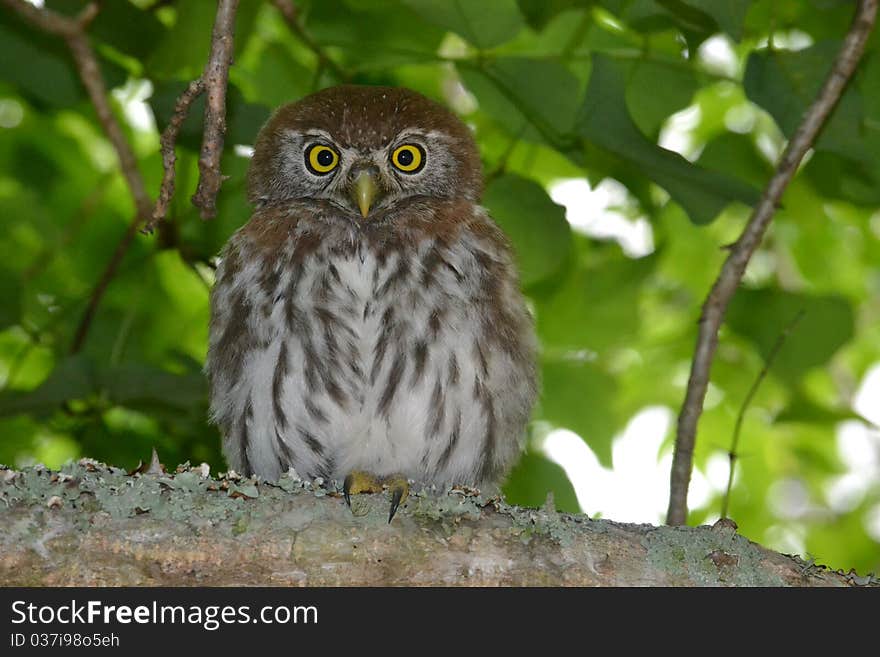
(681, 108)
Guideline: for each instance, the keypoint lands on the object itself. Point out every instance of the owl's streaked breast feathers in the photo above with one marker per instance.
(368, 316)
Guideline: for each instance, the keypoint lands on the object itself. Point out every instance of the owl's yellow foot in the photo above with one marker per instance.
(358, 482)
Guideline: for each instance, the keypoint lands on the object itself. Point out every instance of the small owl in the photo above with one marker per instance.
(366, 323)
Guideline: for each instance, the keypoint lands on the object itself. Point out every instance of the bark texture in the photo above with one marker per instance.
(90, 524)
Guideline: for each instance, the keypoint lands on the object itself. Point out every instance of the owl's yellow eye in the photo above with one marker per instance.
(321, 159)
(409, 158)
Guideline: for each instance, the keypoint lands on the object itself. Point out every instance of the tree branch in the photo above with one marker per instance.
(290, 12)
(169, 158)
(85, 322)
(734, 267)
(159, 528)
(215, 79)
(73, 31)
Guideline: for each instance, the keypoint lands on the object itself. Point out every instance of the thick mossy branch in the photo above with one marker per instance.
(91, 524)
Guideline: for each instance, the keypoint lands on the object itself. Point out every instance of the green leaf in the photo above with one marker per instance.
(545, 93)
(820, 19)
(736, 155)
(786, 83)
(595, 308)
(534, 477)
(651, 16)
(485, 24)
(606, 123)
(535, 225)
(141, 386)
(804, 409)
(72, 378)
(842, 177)
(130, 384)
(121, 24)
(278, 78)
(372, 36)
(34, 165)
(184, 49)
(45, 75)
(730, 15)
(762, 315)
(43, 71)
(540, 12)
(655, 91)
(10, 298)
(579, 396)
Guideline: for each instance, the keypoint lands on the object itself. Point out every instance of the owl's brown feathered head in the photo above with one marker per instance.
(364, 149)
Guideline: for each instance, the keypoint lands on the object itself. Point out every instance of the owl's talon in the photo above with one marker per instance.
(399, 488)
(346, 490)
(357, 482)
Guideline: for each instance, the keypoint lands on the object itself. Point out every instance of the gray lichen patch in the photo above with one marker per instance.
(703, 557)
(176, 496)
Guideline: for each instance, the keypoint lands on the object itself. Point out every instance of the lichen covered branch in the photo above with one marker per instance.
(734, 267)
(91, 524)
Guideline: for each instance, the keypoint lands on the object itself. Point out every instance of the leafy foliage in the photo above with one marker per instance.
(681, 106)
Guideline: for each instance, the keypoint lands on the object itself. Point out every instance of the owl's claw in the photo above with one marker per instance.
(399, 492)
(363, 482)
(358, 482)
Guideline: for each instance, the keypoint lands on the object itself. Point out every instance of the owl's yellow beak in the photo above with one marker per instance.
(364, 191)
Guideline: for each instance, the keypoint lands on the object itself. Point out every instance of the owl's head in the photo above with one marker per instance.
(364, 150)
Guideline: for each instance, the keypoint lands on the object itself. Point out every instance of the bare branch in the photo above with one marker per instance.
(100, 288)
(734, 267)
(290, 12)
(169, 157)
(737, 427)
(52, 22)
(215, 79)
(72, 30)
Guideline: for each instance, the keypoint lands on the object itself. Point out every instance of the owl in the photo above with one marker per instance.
(366, 323)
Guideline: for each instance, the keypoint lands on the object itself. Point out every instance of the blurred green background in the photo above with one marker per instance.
(623, 142)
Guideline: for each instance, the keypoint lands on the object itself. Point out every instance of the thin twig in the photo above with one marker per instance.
(737, 427)
(169, 157)
(216, 79)
(290, 12)
(735, 265)
(501, 165)
(52, 22)
(107, 275)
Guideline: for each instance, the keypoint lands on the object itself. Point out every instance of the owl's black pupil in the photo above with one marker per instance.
(405, 158)
(325, 158)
